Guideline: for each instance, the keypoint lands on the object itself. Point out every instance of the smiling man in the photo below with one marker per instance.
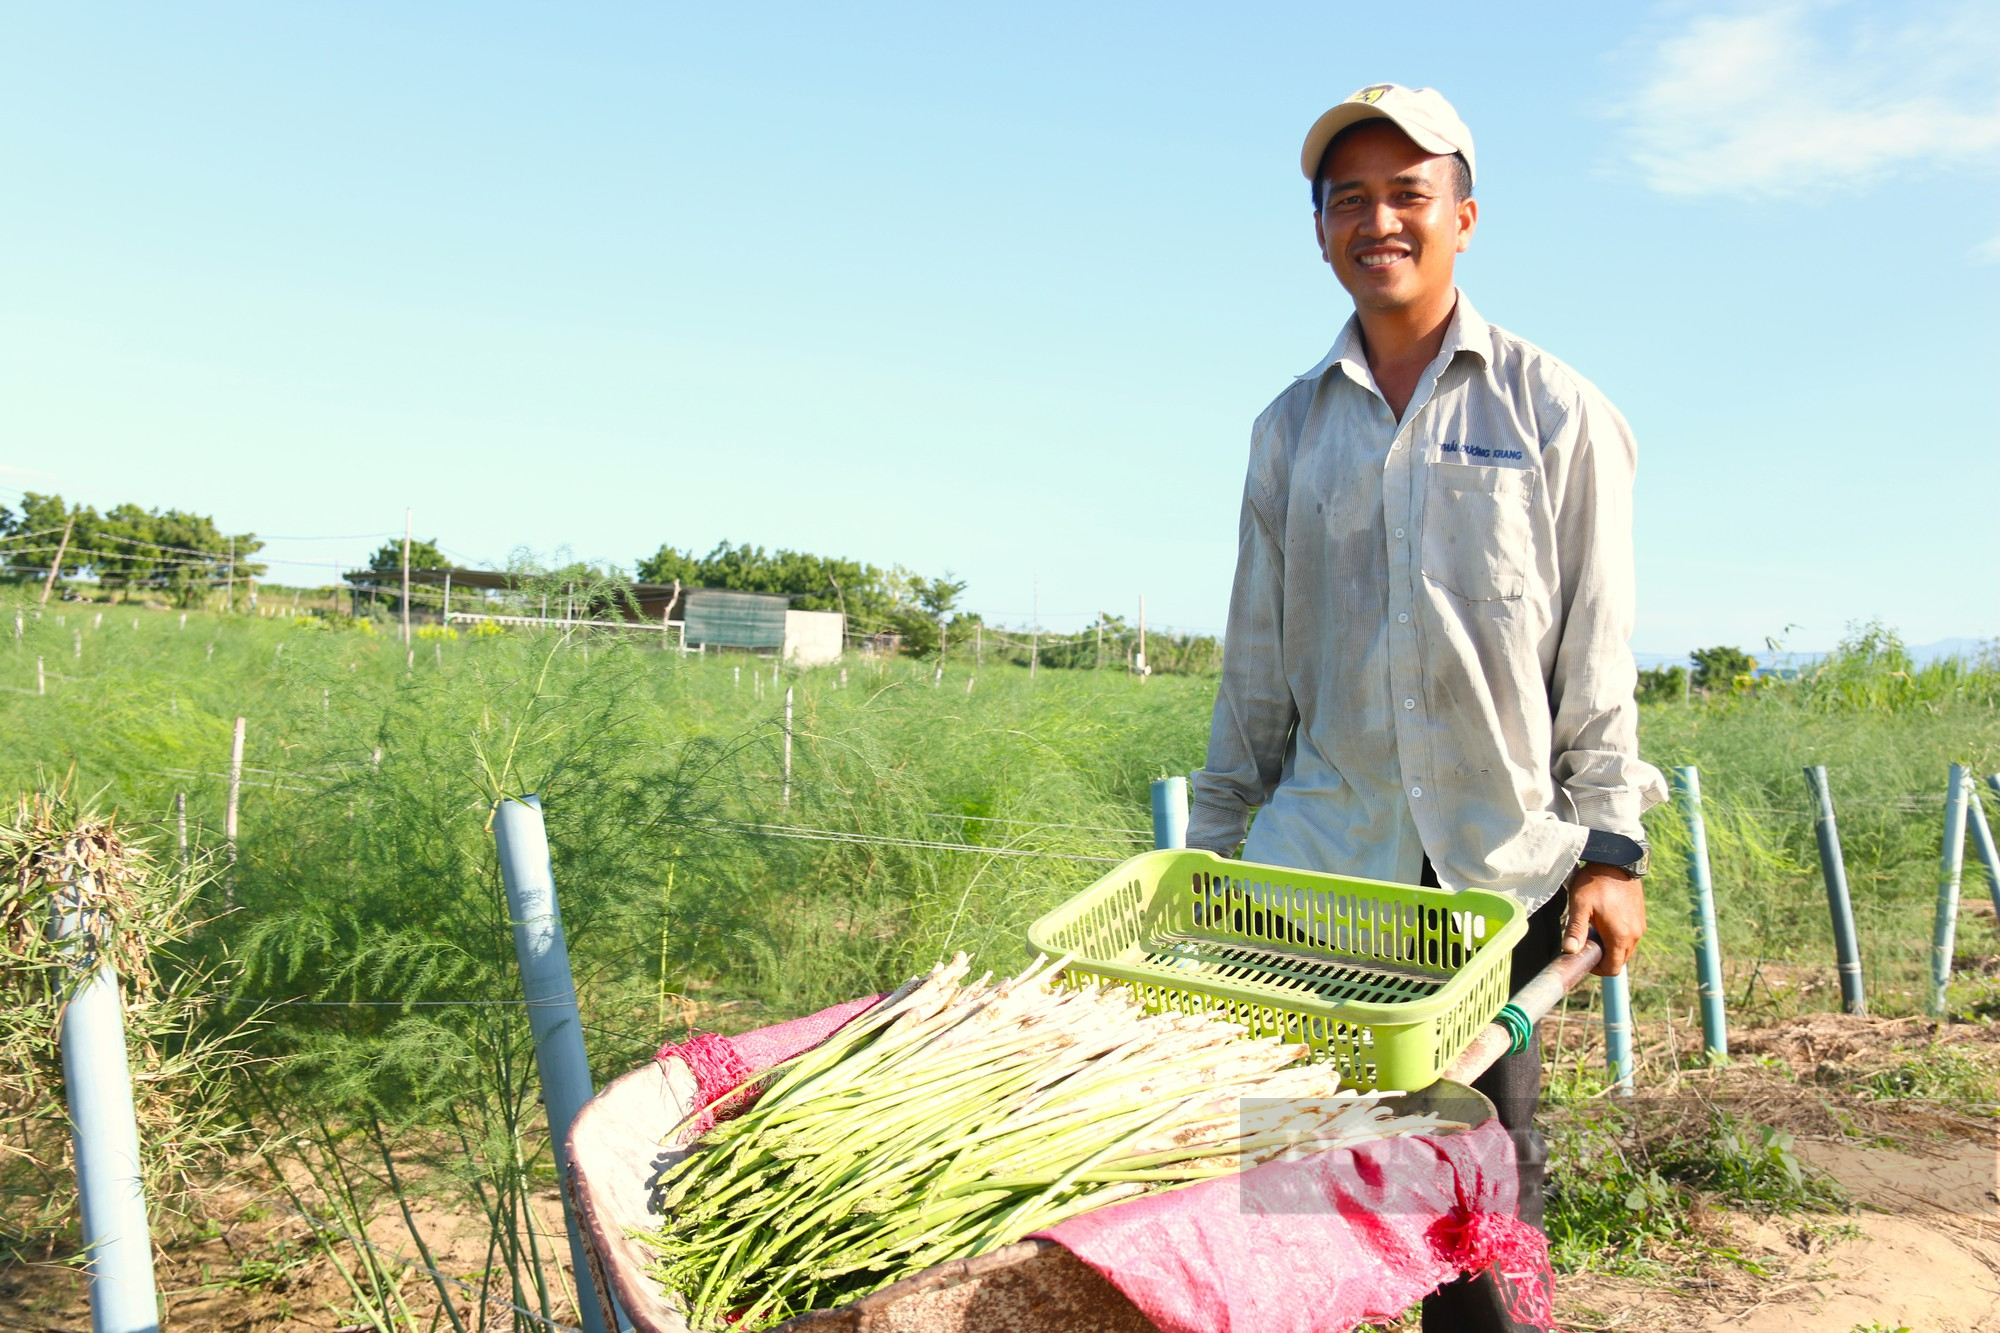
(1426, 675)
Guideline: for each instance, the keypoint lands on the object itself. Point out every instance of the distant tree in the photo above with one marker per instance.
(184, 553)
(128, 547)
(1719, 668)
(871, 598)
(31, 536)
(1663, 685)
(423, 555)
(920, 609)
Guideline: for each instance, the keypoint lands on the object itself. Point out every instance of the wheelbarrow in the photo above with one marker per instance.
(1031, 1286)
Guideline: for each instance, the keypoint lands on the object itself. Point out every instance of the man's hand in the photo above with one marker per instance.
(1611, 901)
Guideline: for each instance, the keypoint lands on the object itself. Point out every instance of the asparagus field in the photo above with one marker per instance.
(354, 940)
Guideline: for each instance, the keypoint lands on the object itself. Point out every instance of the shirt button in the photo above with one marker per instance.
(1399, 534)
(1409, 703)
(1403, 619)
(1416, 791)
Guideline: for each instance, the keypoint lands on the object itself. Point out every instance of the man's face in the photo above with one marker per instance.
(1390, 222)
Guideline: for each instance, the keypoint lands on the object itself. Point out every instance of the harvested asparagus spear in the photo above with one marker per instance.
(954, 1118)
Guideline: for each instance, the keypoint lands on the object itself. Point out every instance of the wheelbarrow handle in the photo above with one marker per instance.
(1533, 1000)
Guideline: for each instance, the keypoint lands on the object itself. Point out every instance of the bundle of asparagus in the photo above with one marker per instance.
(954, 1118)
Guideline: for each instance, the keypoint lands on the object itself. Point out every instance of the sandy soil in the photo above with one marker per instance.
(1921, 1252)
(1927, 1257)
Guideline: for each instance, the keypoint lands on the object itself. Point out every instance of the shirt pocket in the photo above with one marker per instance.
(1477, 530)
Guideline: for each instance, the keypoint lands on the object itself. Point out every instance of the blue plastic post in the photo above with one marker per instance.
(1833, 868)
(1707, 946)
(550, 993)
(1170, 812)
(1618, 1031)
(1982, 841)
(1951, 868)
(105, 1133)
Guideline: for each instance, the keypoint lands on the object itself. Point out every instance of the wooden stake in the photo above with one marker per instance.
(1142, 639)
(181, 821)
(1035, 642)
(406, 579)
(787, 798)
(62, 548)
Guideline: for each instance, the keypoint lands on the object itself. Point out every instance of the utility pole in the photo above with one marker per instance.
(229, 581)
(62, 549)
(406, 578)
(1035, 632)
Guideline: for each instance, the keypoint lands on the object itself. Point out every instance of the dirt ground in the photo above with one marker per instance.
(1921, 1252)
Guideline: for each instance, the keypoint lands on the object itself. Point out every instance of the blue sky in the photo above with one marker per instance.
(997, 290)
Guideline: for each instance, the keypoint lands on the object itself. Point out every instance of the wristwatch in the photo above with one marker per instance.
(1632, 855)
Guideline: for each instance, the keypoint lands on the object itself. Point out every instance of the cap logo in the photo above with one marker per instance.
(1372, 93)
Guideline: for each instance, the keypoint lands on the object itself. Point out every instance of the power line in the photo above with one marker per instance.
(1035, 823)
(862, 839)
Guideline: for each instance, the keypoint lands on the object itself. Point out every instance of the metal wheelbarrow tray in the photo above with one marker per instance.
(1031, 1286)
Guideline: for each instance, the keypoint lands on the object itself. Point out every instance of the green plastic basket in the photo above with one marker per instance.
(1387, 981)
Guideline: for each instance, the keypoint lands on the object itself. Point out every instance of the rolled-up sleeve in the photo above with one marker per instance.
(1254, 708)
(1595, 739)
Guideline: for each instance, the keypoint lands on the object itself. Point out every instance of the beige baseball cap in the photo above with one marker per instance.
(1421, 113)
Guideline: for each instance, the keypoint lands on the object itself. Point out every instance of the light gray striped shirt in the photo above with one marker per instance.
(1427, 645)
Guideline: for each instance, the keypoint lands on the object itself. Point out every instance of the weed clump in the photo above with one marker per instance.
(1631, 1188)
(77, 891)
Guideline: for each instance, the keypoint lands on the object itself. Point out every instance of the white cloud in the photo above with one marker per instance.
(1778, 100)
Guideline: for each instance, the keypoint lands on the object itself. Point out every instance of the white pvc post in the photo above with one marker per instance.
(1618, 1032)
(1982, 841)
(235, 789)
(104, 1130)
(787, 799)
(1951, 865)
(550, 993)
(1170, 812)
